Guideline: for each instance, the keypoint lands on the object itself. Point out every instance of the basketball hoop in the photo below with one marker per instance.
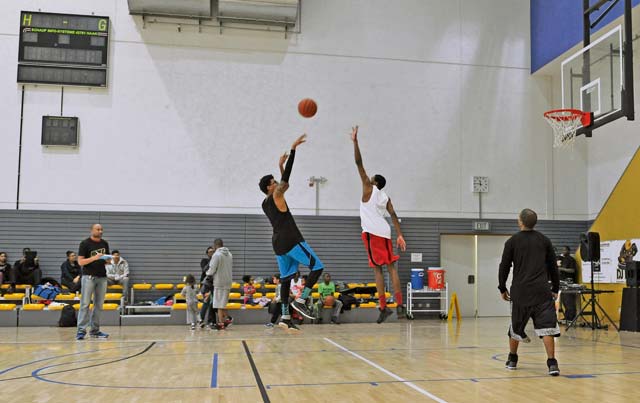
(565, 123)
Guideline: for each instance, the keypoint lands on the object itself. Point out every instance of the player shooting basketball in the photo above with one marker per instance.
(288, 243)
(376, 232)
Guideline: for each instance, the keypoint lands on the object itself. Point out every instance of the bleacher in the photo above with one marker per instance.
(22, 308)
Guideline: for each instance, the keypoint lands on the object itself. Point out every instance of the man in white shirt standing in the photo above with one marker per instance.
(118, 273)
(376, 232)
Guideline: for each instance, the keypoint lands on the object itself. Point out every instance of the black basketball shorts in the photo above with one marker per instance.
(545, 320)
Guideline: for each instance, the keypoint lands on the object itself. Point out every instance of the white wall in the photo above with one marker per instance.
(441, 91)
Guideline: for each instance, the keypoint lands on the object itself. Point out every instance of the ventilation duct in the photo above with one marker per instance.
(172, 8)
(268, 12)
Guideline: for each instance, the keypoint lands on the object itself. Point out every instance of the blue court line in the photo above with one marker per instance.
(37, 375)
(214, 371)
(4, 371)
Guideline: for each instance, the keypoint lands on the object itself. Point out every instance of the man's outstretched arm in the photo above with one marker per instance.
(284, 182)
(366, 182)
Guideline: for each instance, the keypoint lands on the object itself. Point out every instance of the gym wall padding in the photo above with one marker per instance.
(619, 219)
(163, 247)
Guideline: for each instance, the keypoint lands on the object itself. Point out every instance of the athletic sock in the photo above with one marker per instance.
(383, 302)
(306, 292)
(285, 311)
(398, 297)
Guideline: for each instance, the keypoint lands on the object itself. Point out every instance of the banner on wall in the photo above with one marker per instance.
(614, 256)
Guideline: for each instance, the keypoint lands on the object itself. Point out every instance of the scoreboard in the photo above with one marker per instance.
(63, 49)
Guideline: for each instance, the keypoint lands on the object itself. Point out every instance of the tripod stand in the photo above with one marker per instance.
(596, 321)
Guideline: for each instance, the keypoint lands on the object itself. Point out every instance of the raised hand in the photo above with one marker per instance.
(354, 134)
(283, 158)
(299, 141)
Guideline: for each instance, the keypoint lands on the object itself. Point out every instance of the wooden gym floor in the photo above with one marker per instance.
(413, 361)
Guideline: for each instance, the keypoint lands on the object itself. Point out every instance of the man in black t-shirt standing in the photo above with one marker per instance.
(534, 264)
(568, 267)
(93, 254)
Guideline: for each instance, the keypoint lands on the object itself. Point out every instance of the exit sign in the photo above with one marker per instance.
(481, 226)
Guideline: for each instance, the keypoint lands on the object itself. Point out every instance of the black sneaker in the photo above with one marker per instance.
(512, 362)
(286, 324)
(384, 314)
(401, 310)
(302, 309)
(554, 370)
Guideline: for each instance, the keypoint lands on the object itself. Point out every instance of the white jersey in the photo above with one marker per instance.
(372, 214)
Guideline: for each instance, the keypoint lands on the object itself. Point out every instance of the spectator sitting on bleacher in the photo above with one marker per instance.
(326, 289)
(5, 268)
(71, 272)
(26, 270)
(118, 273)
(248, 289)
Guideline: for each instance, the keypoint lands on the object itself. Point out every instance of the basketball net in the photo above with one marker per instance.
(565, 123)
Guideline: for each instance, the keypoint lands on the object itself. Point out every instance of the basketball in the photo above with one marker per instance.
(329, 301)
(307, 108)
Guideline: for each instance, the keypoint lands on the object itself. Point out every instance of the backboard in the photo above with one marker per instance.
(593, 78)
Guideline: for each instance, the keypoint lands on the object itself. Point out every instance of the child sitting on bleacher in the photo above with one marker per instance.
(190, 293)
(248, 289)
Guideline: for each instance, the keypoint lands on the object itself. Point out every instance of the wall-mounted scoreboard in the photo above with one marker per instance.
(63, 49)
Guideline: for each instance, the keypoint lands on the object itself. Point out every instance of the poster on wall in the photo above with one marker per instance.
(614, 256)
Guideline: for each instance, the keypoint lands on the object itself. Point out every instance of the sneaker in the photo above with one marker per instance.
(269, 325)
(286, 324)
(193, 326)
(334, 320)
(299, 306)
(554, 370)
(80, 335)
(219, 326)
(228, 322)
(201, 324)
(384, 314)
(99, 335)
(401, 310)
(512, 362)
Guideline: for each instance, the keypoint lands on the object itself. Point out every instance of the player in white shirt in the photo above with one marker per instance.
(376, 232)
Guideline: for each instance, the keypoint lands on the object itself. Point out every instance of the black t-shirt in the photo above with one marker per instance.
(534, 264)
(568, 262)
(89, 248)
(286, 234)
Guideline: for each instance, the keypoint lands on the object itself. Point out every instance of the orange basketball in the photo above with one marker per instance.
(329, 301)
(307, 107)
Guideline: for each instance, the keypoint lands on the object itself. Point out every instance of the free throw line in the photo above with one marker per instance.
(391, 374)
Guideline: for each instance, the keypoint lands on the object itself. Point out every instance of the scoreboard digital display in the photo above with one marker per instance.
(63, 49)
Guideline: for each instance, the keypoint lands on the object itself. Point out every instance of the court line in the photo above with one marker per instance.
(4, 371)
(214, 371)
(389, 373)
(263, 390)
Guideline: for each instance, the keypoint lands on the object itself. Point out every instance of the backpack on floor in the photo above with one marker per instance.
(67, 317)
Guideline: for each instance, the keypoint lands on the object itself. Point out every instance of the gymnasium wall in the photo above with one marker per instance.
(556, 26)
(190, 121)
(617, 221)
(163, 247)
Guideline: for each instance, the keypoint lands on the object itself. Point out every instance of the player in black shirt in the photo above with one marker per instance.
(93, 254)
(288, 243)
(534, 264)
